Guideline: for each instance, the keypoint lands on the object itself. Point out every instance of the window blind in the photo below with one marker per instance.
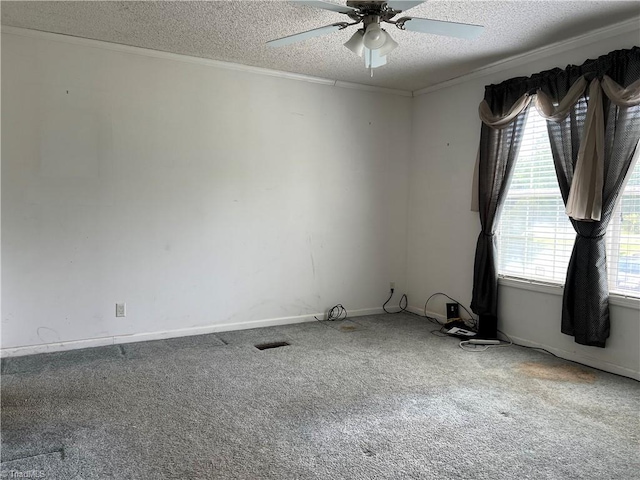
(623, 239)
(535, 237)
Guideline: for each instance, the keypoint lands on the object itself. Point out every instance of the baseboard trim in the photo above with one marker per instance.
(582, 359)
(271, 322)
(420, 311)
(163, 334)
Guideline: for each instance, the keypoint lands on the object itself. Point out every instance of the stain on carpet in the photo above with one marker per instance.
(348, 328)
(560, 373)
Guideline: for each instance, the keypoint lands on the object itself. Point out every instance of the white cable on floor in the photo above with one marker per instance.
(465, 344)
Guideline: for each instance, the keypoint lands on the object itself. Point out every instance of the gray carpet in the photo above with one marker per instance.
(373, 398)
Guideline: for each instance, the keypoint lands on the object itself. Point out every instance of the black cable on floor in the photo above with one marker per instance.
(474, 322)
(402, 304)
(384, 305)
(335, 313)
(406, 303)
(404, 309)
(440, 333)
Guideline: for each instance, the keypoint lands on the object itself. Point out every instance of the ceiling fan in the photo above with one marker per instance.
(371, 41)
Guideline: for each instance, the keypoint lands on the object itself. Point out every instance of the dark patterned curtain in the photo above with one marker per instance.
(498, 153)
(585, 303)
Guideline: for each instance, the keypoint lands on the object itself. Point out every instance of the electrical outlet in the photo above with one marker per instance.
(392, 285)
(121, 309)
(453, 310)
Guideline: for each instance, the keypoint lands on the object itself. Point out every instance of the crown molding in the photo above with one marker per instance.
(539, 53)
(511, 62)
(372, 88)
(219, 64)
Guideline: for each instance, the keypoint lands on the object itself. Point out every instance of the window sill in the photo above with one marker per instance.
(555, 289)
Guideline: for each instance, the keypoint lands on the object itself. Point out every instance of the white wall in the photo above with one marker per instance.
(207, 198)
(204, 198)
(443, 231)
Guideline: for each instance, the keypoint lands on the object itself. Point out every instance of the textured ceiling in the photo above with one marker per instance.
(236, 31)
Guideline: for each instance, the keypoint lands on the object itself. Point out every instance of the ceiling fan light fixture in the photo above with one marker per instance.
(356, 42)
(389, 45)
(374, 37)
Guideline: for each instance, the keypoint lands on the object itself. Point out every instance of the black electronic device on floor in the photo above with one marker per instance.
(488, 327)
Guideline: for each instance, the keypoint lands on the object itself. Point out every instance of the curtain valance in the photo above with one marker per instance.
(585, 196)
(620, 66)
(623, 97)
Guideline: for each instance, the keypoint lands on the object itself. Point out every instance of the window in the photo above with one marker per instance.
(623, 240)
(535, 237)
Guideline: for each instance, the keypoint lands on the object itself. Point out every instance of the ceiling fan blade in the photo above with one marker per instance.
(299, 37)
(402, 5)
(334, 7)
(439, 27)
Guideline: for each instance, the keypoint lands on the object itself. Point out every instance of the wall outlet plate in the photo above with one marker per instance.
(453, 310)
(121, 309)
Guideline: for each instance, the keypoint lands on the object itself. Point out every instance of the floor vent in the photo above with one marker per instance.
(265, 346)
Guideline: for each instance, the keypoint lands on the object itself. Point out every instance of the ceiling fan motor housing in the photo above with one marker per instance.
(369, 9)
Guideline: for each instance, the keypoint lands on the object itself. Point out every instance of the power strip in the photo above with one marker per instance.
(479, 341)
